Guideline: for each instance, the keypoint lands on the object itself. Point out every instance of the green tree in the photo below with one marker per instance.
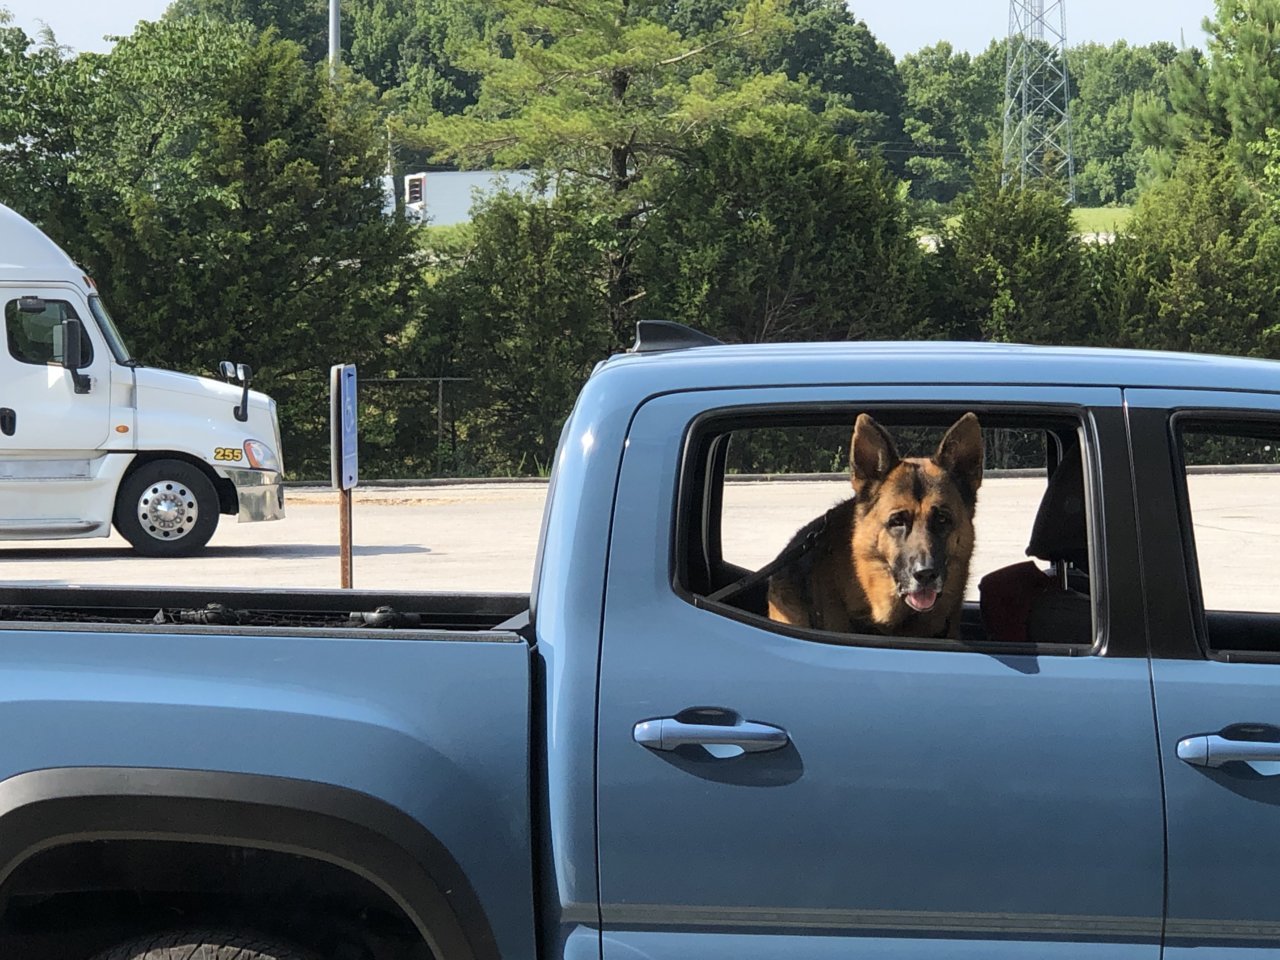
(852, 75)
(777, 237)
(1108, 85)
(520, 308)
(41, 95)
(1011, 269)
(305, 22)
(407, 46)
(952, 113)
(232, 207)
(597, 92)
(1203, 270)
(1231, 95)
(831, 48)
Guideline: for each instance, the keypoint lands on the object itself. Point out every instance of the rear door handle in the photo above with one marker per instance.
(667, 733)
(8, 421)
(1213, 750)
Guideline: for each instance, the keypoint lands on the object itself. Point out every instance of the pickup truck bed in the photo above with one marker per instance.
(273, 708)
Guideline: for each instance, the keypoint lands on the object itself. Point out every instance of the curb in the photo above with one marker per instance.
(427, 483)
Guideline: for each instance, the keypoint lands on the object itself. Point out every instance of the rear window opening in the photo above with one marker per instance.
(1231, 508)
(751, 481)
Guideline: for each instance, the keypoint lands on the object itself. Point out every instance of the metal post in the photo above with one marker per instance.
(335, 36)
(344, 467)
(439, 413)
(344, 536)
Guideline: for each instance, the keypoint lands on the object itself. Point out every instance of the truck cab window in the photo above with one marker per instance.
(36, 338)
(992, 546)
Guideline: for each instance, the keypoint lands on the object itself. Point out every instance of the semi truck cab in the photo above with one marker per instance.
(90, 438)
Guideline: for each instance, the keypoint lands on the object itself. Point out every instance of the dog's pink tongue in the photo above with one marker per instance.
(923, 600)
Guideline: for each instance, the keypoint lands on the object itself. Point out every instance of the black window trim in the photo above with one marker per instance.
(1180, 419)
(87, 356)
(723, 420)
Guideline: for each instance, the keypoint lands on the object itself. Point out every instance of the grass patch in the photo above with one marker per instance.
(1088, 220)
(1101, 219)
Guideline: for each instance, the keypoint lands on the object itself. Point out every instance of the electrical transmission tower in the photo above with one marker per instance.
(1037, 122)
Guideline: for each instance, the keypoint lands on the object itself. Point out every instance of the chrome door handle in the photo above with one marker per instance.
(667, 733)
(1213, 750)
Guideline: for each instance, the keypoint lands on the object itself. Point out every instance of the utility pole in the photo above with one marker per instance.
(1037, 93)
(335, 36)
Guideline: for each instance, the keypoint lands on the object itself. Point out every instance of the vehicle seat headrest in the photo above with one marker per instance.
(1060, 532)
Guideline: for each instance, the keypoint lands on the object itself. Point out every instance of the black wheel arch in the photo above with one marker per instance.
(355, 831)
(228, 499)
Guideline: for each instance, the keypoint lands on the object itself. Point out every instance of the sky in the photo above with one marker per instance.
(903, 26)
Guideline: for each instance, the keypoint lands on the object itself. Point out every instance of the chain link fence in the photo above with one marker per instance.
(411, 428)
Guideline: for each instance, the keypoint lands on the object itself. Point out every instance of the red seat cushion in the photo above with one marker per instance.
(1006, 597)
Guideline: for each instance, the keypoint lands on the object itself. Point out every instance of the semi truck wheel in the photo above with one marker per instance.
(205, 945)
(167, 508)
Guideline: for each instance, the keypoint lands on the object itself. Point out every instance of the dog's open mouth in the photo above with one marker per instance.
(922, 600)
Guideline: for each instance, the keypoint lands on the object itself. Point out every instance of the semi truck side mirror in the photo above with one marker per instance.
(72, 357)
(245, 373)
(228, 370)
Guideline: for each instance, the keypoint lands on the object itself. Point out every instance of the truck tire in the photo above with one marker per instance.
(205, 945)
(167, 508)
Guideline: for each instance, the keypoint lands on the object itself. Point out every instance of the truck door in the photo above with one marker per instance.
(1208, 477)
(45, 418)
(766, 792)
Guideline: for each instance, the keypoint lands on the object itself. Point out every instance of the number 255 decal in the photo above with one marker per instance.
(232, 454)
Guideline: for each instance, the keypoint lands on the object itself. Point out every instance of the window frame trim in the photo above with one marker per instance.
(87, 359)
(715, 421)
(1186, 525)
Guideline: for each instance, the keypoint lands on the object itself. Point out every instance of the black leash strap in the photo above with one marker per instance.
(811, 534)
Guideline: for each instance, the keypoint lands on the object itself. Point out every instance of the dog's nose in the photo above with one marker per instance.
(925, 575)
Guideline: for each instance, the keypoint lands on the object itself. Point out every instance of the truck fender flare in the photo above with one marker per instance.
(369, 837)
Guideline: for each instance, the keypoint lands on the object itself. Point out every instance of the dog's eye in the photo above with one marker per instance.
(899, 521)
(942, 519)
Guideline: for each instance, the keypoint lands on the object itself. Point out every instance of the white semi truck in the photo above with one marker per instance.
(90, 438)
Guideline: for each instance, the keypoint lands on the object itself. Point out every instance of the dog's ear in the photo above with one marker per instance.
(871, 455)
(960, 452)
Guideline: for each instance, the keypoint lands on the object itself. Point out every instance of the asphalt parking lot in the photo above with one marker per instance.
(482, 537)
(478, 537)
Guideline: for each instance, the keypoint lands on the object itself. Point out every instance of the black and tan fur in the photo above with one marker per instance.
(907, 532)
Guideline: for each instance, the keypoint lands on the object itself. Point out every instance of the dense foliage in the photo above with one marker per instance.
(781, 236)
(761, 169)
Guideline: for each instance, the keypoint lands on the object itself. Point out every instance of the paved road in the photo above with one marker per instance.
(482, 537)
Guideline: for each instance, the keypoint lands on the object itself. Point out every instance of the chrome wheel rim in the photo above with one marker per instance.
(168, 510)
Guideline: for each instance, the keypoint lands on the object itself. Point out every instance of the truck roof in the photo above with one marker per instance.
(28, 256)
(925, 362)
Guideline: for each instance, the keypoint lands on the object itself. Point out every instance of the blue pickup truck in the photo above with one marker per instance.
(1086, 771)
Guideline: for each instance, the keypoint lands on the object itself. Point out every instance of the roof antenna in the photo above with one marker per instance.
(656, 336)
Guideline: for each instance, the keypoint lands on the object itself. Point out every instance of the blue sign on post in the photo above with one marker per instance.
(344, 435)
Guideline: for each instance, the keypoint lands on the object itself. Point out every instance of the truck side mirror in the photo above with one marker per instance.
(228, 370)
(72, 357)
(245, 373)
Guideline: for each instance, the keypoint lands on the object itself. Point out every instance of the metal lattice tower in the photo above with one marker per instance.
(1037, 122)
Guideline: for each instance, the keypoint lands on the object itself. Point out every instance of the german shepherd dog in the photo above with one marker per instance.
(893, 559)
